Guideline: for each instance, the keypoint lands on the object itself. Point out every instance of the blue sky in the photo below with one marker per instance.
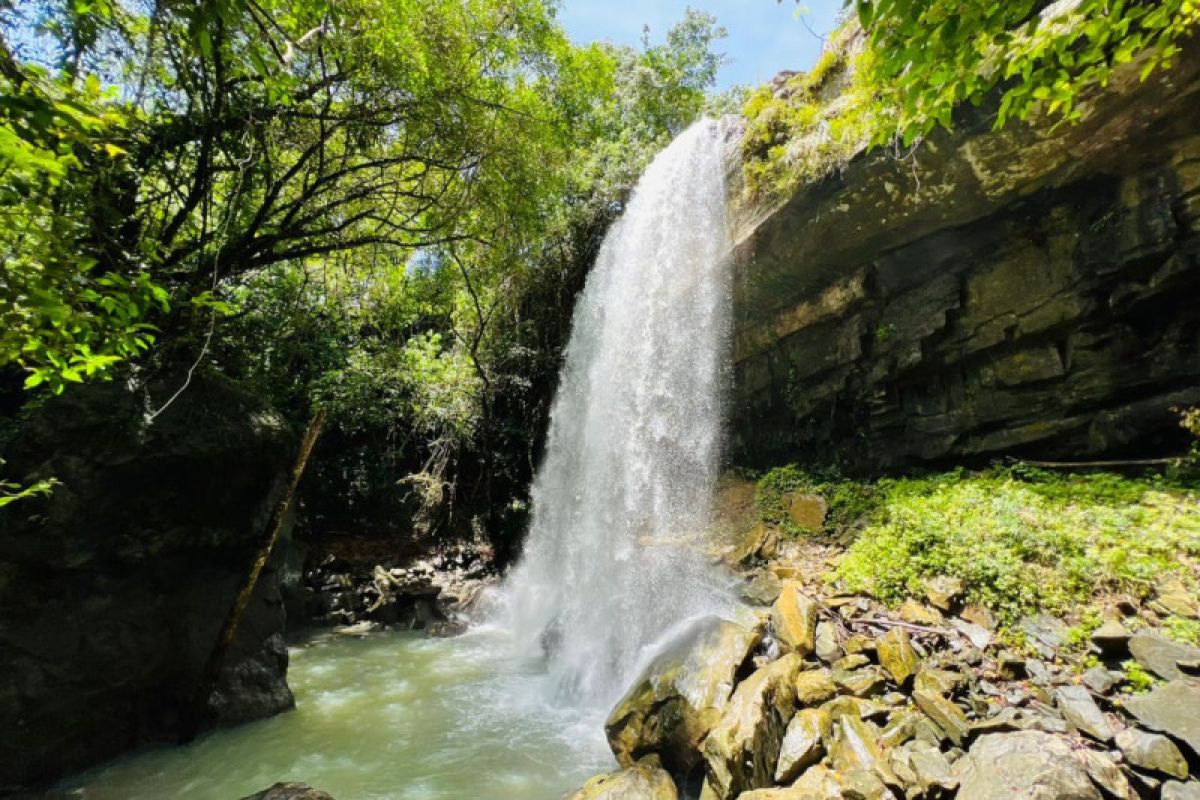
(764, 35)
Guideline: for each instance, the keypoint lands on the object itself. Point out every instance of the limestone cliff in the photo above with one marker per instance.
(1029, 292)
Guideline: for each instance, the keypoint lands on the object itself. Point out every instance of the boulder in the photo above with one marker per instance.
(803, 743)
(1112, 638)
(1173, 709)
(807, 511)
(943, 591)
(897, 656)
(827, 647)
(794, 619)
(639, 782)
(1026, 765)
(290, 791)
(1153, 752)
(814, 687)
(680, 697)
(856, 747)
(1076, 705)
(1164, 657)
(742, 751)
(947, 716)
(817, 783)
(1173, 597)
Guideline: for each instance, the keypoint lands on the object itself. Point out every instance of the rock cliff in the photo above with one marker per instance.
(1028, 292)
(113, 590)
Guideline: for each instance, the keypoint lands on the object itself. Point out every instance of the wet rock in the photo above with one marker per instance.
(742, 750)
(1173, 597)
(1112, 638)
(639, 782)
(1101, 680)
(803, 743)
(1152, 751)
(807, 511)
(681, 695)
(445, 629)
(943, 591)
(865, 682)
(846, 705)
(756, 542)
(763, 590)
(290, 791)
(827, 647)
(897, 656)
(856, 747)
(1080, 710)
(794, 619)
(1026, 765)
(948, 717)
(1173, 709)
(1164, 657)
(817, 783)
(814, 687)
(1178, 790)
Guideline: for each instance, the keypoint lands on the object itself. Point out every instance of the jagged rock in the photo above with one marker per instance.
(929, 767)
(1162, 656)
(977, 635)
(827, 647)
(817, 783)
(1106, 773)
(803, 743)
(939, 680)
(916, 613)
(1080, 710)
(949, 718)
(640, 782)
(1112, 638)
(814, 687)
(901, 727)
(1152, 751)
(851, 662)
(861, 784)
(1010, 666)
(1173, 709)
(763, 590)
(1101, 680)
(856, 746)
(1045, 633)
(757, 542)
(865, 682)
(943, 591)
(847, 705)
(1173, 597)
(897, 656)
(681, 695)
(742, 750)
(807, 511)
(1178, 790)
(794, 619)
(445, 629)
(1026, 765)
(859, 644)
(290, 791)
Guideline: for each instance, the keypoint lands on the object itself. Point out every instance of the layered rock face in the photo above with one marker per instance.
(1028, 292)
(112, 591)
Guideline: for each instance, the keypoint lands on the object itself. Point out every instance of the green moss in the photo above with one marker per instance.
(1139, 680)
(1024, 540)
(1182, 630)
(850, 502)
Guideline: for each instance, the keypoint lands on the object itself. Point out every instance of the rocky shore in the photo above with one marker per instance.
(819, 696)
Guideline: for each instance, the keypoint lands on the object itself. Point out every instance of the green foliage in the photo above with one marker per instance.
(931, 55)
(849, 502)
(1182, 630)
(1024, 540)
(1138, 679)
(12, 492)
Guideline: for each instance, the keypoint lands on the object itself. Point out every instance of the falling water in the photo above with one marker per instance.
(614, 558)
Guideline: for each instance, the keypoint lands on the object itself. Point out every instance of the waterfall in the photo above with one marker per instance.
(614, 558)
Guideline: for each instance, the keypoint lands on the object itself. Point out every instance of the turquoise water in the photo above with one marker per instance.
(391, 715)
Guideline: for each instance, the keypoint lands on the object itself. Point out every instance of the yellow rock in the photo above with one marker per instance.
(639, 782)
(794, 619)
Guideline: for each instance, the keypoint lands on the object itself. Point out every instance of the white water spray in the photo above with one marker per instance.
(614, 558)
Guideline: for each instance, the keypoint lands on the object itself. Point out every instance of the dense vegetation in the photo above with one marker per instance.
(383, 209)
(1020, 539)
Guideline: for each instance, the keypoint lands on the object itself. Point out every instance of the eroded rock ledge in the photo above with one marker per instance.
(1028, 292)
